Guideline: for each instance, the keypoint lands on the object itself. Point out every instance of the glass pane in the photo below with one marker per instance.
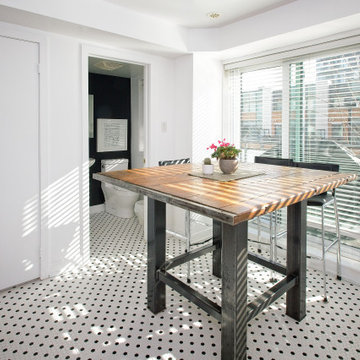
(261, 112)
(324, 112)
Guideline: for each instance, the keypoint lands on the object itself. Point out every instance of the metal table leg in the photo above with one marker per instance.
(217, 226)
(296, 260)
(234, 291)
(156, 254)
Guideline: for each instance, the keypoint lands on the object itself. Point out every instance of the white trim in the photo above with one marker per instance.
(84, 175)
(301, 49)
(45, 244)
(41, 40)
(285, 128)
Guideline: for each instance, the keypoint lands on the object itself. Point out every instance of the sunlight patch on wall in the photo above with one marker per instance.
(27, 264)
(30, 215)
(62, 200)
(65, 213)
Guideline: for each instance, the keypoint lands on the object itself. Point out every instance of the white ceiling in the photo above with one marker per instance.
(194, 13)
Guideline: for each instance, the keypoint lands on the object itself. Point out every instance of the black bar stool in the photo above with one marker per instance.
(273, 222)
(323, 200)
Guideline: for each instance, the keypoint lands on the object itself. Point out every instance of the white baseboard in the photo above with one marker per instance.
(349, 267)
(97, 209)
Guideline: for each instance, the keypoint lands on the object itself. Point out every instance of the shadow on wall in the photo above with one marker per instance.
(65, 216)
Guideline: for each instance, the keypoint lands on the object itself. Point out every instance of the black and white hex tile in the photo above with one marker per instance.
(99, 312)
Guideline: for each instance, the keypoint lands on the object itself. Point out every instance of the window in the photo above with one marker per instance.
(321, 96)
(260, 111)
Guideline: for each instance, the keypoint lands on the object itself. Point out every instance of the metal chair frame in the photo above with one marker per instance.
(187, 236)
(325, 203)
(273, 215)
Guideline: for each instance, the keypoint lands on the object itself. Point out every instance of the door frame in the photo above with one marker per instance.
(126, 56)
(8, 31)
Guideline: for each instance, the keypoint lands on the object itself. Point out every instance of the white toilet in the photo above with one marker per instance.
(118, 201)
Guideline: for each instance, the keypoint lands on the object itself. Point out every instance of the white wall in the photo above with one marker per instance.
(198, 114)
(183, 107)
(65, 213)
(65, 221)
(207, 104)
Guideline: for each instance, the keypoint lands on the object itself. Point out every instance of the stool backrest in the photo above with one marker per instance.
(174, 162)
(273, 161)
(317, 166)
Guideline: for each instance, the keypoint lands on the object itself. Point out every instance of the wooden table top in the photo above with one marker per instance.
(230, 202)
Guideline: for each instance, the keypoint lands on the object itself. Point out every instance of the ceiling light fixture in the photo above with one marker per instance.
(108, 65)
(213, 15)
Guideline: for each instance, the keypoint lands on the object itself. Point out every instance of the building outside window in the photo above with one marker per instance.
(321, 96)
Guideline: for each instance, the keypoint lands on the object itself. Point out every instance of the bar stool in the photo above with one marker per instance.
(187, 214)
(323, 200)
(273, 215)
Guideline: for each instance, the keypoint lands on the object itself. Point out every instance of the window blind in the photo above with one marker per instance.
(321, 96)
(324, 119)
(260, 104)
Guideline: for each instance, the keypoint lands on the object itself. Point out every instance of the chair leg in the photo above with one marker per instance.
(338, 269)
(275, 235)
(188, 236)
(272, 241)
(258, 233)
(323, 251)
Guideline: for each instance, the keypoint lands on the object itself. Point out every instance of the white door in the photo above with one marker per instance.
(19, 154)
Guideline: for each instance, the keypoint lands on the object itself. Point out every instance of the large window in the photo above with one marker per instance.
(307, 109)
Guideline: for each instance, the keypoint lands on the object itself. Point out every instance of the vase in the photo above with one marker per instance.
(228, 166)
(208, 169)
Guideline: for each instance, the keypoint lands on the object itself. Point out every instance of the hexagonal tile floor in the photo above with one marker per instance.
(99, 312)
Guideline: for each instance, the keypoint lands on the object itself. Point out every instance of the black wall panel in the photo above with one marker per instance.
(111, 101)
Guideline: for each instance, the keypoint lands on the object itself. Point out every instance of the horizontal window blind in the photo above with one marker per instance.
(324, 118)
(260, 104)
(321, 119)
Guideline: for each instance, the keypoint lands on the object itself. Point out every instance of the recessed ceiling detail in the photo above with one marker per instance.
(213, 15)
(115, 68)
(190, 13)
(108, 65)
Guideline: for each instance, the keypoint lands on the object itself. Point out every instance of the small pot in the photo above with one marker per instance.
(208, 169)
(228, 166)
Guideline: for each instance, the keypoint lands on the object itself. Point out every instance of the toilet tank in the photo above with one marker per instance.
(114, 164)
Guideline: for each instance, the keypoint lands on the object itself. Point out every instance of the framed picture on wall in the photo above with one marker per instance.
(91, 116)
(112, 134)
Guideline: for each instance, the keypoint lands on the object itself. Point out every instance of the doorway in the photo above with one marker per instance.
(115, 94)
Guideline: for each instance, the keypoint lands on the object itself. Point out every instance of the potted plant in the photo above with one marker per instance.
(227, 154)
(207, 167)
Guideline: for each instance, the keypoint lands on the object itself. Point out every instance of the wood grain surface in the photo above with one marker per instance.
(230, 202)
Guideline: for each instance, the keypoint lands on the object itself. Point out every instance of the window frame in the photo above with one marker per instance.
(232, 128)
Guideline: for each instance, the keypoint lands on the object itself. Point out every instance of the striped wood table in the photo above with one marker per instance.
(230, 205)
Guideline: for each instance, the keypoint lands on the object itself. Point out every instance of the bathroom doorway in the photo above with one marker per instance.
(116, 125)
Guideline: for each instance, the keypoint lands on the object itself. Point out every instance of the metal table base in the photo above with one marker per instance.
(230, 256)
